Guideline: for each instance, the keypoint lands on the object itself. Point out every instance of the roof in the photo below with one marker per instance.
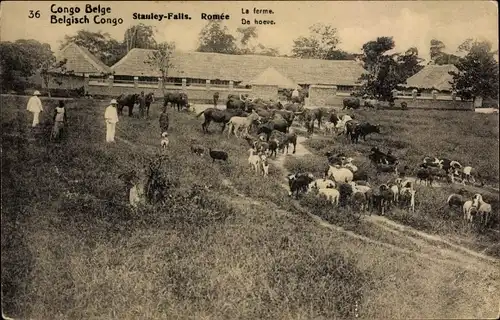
(80, 60)
(432, 77)
(272, 77)
(212, 66)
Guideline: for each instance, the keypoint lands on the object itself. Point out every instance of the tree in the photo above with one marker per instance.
(139, 36)
(408, 64)
(477, 74)
(265, 51)
(246, 34)
(99, 44)
(161, 59)
(22, 59)
(340, 55)
(321, 41)
(438, 56)
(216, 38)
(50, 67)
(382, 68)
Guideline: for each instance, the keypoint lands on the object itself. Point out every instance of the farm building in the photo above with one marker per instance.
(198, 67)
(80, 62)
(432, 77)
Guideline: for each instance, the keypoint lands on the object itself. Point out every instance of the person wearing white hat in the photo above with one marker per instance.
(35, 107)
(295, 95)
(111, 117)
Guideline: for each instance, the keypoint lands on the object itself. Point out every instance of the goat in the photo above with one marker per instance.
(254, 160)
(265, 164)
(455, 200)
(469, 210)
(218, 155)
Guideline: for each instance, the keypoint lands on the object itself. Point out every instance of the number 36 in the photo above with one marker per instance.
(34, 15)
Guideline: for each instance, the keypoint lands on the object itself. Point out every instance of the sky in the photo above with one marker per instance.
(411, 23)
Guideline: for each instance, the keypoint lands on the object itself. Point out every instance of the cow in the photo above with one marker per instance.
(356, 130)
(268, 127)
(351, 103)
(294, 107)
(284, 140)
(219, 116)
(179, 99)
(371, 103)
(288, 116)
(233, 103)
(310, 115)
(129, 101)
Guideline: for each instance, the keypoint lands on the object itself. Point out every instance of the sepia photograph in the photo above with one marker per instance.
(249, 160)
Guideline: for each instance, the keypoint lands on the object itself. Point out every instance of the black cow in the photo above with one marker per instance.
(351, 103)
(219, 116)
(284, 140)
(268, 127)
(299, 182)
(288, 116)
(129, 101)
(179, 99)
(362, 130)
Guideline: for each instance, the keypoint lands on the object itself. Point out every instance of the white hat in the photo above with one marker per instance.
(36, 93)
(114, 101)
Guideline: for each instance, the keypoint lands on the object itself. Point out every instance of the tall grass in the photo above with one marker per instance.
(73, 248)
(470, 138)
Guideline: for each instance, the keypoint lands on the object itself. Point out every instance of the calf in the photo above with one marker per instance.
(218, 155)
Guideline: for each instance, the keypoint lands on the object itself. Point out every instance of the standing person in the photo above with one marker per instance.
(35, 107)
(216, 98)
(111, 117)
(164, 121)
(60, 122)
(142, 104)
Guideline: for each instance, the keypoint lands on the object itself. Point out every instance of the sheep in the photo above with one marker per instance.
(455, 200)
(395, 191)
(254, 160)
(348, 164)
(218, 155)
(322, 184)
(331, 194)
(469, 210)
(265, 164)
(483, 208)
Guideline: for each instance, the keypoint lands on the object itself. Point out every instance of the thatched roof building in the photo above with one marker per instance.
(432, 77)
(80, 61)
(272, 77)
(242, 68)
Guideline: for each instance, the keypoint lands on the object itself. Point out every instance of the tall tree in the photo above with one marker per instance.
(477, 74)
(438, 56)
(51, 67)
(22, 59)
(321, 41)
(99, 44)
(382, 68)
(215, 37)
(139, 36)
(161, 59)
(409, 63)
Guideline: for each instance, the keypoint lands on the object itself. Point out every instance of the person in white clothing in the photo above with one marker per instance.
(35, 107)
(111, 117)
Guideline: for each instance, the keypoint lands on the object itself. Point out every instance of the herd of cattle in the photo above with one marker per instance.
(343, 184)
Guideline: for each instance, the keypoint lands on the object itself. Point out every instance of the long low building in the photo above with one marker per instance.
(197, 67)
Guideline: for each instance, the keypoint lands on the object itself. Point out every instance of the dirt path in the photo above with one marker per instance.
(429, 246)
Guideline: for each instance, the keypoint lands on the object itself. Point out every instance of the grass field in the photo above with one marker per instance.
(73, 249)
(471, 139)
